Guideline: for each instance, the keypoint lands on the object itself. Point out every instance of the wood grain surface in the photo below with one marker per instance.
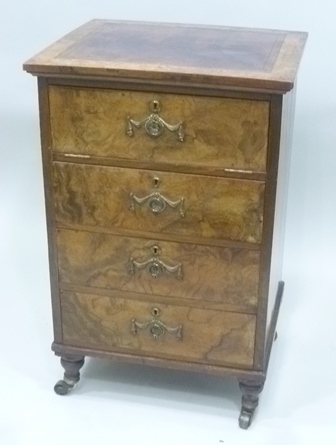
(185, 45)
(220, 132)
(214, 274)
(176, 53)
(214, 207)
(208, 336)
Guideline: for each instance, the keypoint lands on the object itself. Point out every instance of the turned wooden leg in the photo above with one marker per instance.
(251, 390)
(71, 365)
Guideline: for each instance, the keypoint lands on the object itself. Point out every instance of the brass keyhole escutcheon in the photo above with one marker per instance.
(155, 106)
(155, 265)
(154, 124)
(156, 327)
(156, 250)
(156, 312)
(156, 182)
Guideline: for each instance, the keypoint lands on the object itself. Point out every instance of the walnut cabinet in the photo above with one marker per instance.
(166, 158)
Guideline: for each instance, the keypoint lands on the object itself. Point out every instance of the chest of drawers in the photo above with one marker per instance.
(165, 155)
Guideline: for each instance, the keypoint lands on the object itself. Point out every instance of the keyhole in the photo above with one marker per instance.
(156, 312)
(156, 250)
(155, 106)
(156, 181)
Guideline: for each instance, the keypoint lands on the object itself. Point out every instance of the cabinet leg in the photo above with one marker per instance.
(250, 400)
(71, 365)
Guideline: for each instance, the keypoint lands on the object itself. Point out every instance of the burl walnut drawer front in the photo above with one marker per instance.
(163, 128)
(168, 269)
(169, 331)
(170, 203)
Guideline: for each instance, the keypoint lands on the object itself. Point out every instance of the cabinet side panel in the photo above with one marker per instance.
(281, 201)
(268, 224)
(45, 145)
(275, 218)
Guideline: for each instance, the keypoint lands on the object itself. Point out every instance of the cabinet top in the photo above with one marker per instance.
(173, 53)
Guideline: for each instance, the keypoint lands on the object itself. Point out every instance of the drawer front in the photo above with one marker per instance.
(219, 132)
(189, 205)
(177, 270)
(177, 332)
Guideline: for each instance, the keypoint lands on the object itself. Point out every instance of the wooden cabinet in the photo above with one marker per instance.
(165, 154)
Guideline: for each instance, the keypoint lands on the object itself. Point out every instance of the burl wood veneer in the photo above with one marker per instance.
(200, 335)
(165, 155)
(230, 133)
(207, 207)
(209, 274)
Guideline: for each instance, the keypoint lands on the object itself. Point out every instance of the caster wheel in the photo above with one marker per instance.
(245, 419)
(276, 336)
(62, 388)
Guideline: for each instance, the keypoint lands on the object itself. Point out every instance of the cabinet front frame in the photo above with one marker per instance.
(270, 178)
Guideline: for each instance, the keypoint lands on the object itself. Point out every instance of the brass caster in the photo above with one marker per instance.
(245, 419)
(71, 365)
(62, 388)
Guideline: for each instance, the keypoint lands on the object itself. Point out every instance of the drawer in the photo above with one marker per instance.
(168, 269)
(169, 331)
(170, 203)
(218, 132)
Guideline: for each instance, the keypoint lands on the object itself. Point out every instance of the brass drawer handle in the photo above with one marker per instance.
(157, 203)
(156, 327)
(155, 266)
(154, 124)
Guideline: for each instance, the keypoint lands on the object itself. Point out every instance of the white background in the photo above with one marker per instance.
(122, 404)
